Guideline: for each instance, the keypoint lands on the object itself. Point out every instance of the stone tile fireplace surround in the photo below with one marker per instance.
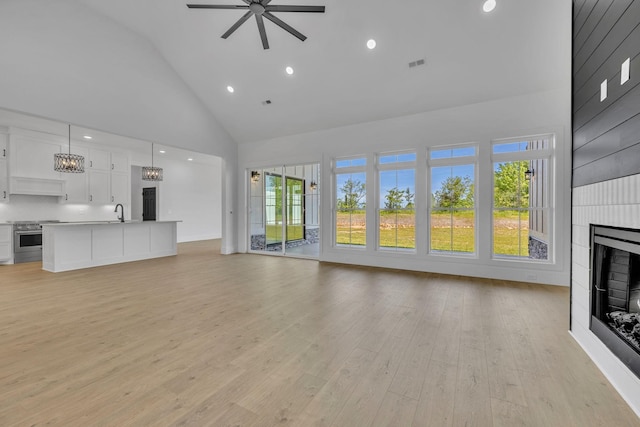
(613, 203)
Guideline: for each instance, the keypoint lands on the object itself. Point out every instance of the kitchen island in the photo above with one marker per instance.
(74, 245)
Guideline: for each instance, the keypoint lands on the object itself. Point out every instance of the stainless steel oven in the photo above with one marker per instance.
(27, 241)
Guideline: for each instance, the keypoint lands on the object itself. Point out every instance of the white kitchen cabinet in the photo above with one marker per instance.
(99, 160)
(6, 243)
(119, 163)
(77, 184)
(4, 177)
(109, 177)
(99, 187)
(120, 188)
(4, 182)
(120, 178)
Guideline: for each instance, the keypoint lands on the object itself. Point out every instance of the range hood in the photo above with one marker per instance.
(36, 186)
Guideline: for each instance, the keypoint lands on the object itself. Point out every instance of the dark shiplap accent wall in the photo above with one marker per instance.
(606, 135)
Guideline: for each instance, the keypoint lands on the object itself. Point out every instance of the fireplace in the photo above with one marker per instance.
(615, 292)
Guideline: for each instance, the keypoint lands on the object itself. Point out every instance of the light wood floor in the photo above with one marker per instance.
(248, 340)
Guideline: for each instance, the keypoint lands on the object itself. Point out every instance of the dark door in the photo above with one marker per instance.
(149, 204)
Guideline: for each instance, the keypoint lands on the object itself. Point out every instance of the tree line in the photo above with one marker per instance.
(511, 189)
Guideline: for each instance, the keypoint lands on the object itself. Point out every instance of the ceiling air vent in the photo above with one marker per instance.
(266, 102)
(416, 63)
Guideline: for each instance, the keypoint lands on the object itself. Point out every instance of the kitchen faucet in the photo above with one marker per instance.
(121, 218)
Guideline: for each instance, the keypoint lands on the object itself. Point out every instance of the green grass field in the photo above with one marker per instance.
(447, 234)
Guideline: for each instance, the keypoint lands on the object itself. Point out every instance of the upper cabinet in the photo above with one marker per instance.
(99, 160)
(76, 189)
(107, 177)
(120, 163)
(4, 178)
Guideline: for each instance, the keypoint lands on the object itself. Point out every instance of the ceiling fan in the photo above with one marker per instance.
(262, 8)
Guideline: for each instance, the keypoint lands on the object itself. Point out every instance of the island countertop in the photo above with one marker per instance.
(74, 245)
(135, 221)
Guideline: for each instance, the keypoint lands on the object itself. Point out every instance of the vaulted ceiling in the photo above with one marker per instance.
(470, 56)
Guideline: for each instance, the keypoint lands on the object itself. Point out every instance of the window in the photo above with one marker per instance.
(396, 212)
(350, 208)
(453, 194)
(521, 215)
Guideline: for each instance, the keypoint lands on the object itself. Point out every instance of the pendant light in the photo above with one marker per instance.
(67, 162)
(150, 173)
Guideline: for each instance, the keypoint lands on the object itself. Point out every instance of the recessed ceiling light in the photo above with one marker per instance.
(162, 151)
(371, 44)
(190, 159)
(489, 5)
(289, 70)
(88, 137)
(230, 89)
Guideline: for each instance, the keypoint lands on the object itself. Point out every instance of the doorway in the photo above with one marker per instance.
(284, 210)
(149, 204)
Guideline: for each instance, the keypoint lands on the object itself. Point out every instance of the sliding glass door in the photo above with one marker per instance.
(284, 210)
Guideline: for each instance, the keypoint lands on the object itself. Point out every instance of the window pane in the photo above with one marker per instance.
(295, 209)
(511, 233)
(453, 152)
(510, 147)
(514, 147)
(463, 231)
(397, 158)
(441, 228)
(346, 163)
(273, 208)
(397, 228)
(511, 188)
(350, 209)
(538, 234)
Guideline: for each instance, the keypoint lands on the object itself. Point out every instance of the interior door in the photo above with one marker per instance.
(149, 204)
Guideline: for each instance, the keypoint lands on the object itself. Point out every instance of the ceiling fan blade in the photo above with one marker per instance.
(217, 6)
(237, 24)
(276, 8)
(284, 26)
(263, 33)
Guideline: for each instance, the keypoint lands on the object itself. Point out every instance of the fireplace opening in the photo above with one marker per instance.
(615, 292)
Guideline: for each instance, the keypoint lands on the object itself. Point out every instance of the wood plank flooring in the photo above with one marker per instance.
(202, 339)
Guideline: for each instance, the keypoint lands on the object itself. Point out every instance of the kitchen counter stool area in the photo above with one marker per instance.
(71, 246)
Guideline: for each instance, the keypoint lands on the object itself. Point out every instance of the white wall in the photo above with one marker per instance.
(191, 193)
(614, 203)
(62, 61)
(539, 113)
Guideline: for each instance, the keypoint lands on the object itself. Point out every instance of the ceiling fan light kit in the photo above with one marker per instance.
(262, 9)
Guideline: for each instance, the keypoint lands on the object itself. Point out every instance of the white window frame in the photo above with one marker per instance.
(548, 154)
(454, 161)
(335, 170)
(397, 165)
